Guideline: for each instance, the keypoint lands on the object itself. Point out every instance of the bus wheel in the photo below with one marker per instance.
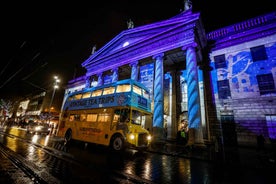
(117, 143)
(68, 136)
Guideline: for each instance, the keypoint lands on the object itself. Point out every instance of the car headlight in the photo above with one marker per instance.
(149, 137)
(37, 128)
(131, 136)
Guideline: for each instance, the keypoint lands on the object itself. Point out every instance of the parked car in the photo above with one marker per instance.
(38, 128)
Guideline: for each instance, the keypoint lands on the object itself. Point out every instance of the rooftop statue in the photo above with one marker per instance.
(187, 4)
(130, 24)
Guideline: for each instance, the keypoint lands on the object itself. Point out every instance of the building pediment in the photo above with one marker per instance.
(144, 41)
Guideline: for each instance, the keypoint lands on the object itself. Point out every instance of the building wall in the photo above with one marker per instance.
(252, 106)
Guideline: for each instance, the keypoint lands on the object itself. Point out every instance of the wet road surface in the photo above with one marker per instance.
(87, 163)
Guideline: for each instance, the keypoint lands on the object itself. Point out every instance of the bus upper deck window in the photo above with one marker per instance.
(97, 93)
(109, 90)
(86, 95)
(145, 94)
(137, 90)
(77, 96)
(123, 88)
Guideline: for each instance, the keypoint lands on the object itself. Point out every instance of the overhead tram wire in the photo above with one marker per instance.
(10, 60)
(19, 70)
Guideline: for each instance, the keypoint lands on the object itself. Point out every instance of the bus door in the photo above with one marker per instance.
(123, 117)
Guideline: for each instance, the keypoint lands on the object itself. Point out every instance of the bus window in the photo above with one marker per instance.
(123, 113)
(137, 90)
(77, 96)
(91, 117)
(109, 90)
(123, 88)
(83, 117)
(145, 94)
(136, 117)
(71, 117)
(70, 98)
(77, 117)
(104, 117)
(86, 95)
(97, 93)
(116, 118)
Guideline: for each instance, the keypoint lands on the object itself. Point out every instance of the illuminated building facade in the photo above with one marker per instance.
(243, 59)
(222, 83)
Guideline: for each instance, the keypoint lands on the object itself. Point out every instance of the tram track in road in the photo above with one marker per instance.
(21, 171)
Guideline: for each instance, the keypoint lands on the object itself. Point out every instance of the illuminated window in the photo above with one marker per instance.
(123, 88)
(145, 94)
(71, 117)
(137, 90)
(77, 96)
(220, 61)
(223, 89)
(83, 117)
(116, 118)
(91, 117)
(97, 93)
(266, 84)
(258, 53)
(70, 98)
(104, 118)
(86, 95)
(109, 90)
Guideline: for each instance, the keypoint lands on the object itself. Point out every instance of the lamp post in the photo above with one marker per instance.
(56, 81)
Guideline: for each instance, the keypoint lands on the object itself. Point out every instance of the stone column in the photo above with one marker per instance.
(100, 79)
(115, 75)
(194, 115)
(134, 70)
(173, 120)
(158, 114)
(88, 82)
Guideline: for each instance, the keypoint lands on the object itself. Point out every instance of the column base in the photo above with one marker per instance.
(157, 134)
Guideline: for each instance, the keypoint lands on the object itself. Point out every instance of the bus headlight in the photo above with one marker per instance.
(149, 137)
(131, 136)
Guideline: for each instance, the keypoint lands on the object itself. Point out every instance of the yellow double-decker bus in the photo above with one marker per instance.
(112, 115)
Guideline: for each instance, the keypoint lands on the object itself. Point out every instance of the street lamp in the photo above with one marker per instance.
(56, 81)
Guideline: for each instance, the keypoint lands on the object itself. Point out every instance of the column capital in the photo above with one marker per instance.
(194, 45)
(134, 63)
(158, 55)
(114, 69)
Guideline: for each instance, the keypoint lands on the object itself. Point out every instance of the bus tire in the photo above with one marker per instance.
(68, 136)
(117, 143)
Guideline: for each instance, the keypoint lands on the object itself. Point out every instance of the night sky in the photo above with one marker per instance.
(42, 39)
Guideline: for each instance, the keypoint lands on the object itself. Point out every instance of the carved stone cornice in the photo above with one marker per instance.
(245, 31)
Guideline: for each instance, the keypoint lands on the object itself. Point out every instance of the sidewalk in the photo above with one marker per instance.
(244, 156)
